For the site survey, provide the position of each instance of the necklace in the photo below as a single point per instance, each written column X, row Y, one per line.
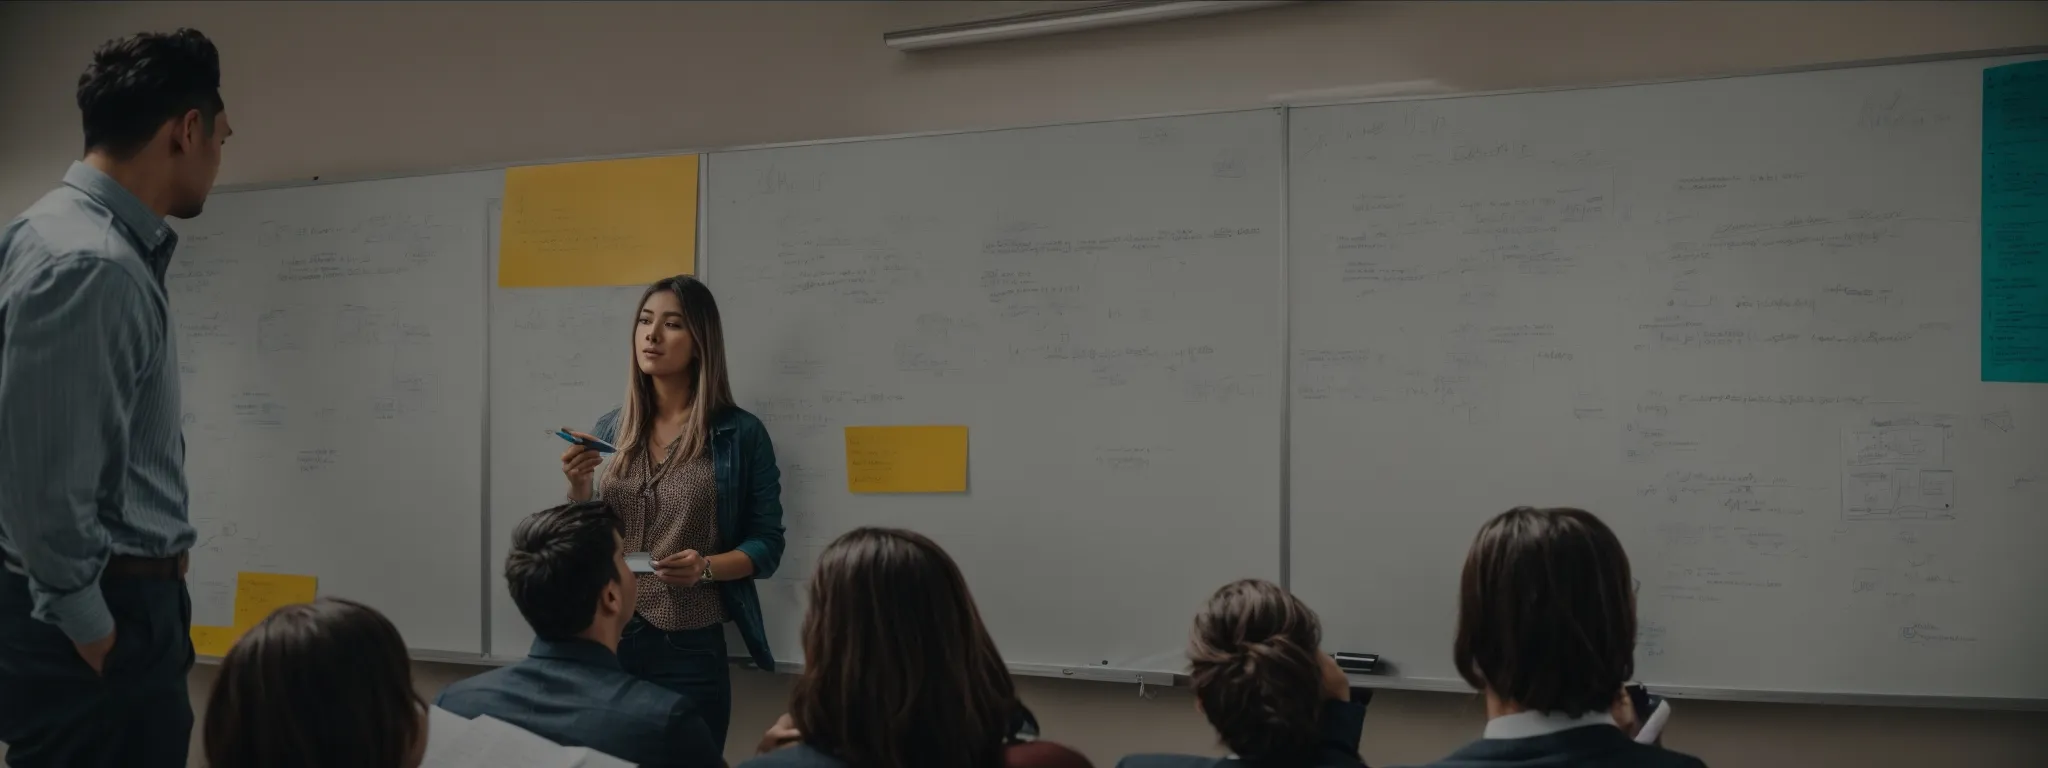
column 655, row 472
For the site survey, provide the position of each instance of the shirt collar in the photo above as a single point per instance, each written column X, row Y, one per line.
column 1522, row 725
column 575, row 649
column 150, row 229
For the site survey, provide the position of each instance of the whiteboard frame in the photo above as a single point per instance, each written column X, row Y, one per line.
column 1987, row 53
column 1157, row 677
column 1757, row 695
column 491, row 205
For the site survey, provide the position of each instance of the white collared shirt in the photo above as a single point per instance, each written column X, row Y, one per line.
column 1522, row 725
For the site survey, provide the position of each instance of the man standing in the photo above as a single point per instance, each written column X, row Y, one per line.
column 94, row 615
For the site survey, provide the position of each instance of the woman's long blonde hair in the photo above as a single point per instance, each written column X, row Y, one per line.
column 710, row 392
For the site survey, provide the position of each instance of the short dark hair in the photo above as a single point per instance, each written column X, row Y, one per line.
column 561, row 559
column 137, row 83
column 322, row 683
column 1257, row 672
column 1547, row 611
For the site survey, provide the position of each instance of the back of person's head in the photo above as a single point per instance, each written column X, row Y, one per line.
column 325, row 684
column 1546, row 612
column 898, row 670
column 1256, row 671
column 136, row 84
column 567, row 570
column 156, row 97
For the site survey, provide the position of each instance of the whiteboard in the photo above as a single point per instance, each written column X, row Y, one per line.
column 559, row 358
column 331, row 355
column 1736, row 318
column 1100, row 304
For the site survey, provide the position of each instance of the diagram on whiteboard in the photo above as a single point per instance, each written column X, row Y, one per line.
column 1897, row 473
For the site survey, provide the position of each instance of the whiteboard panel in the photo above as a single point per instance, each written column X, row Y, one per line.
column 559, row 358
column 1100, row 304
column 331, row 346
column 1736, row 318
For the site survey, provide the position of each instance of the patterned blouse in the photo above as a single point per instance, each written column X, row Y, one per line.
column 677, row 510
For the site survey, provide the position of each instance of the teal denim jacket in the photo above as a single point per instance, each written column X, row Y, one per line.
column 749, row 514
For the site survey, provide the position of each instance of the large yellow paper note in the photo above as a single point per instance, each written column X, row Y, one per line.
column 906, row 459
column 257, row 594
column 610, row 222
column 214, row 641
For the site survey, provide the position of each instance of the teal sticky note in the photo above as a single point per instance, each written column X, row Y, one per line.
column 2015, row 216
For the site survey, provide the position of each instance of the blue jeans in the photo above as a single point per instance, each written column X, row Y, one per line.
column 690, row 662
column 55, row 712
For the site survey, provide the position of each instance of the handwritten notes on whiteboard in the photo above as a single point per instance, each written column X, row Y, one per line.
column 2015, row 246
column 256, row 596
column 906, row 459
column 612, row 222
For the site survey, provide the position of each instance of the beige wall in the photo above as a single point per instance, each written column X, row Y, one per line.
column 350, row 90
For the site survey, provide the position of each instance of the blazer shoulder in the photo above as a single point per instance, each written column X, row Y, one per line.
column 467, row 696
column 743, row 420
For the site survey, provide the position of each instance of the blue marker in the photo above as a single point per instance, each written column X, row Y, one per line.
column 593, row 443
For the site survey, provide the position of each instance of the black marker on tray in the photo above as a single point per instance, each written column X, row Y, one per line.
column 1359, row 663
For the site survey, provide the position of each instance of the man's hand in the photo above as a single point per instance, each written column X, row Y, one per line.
column 95, row 653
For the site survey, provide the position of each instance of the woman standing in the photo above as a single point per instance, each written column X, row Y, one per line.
column 696, row 485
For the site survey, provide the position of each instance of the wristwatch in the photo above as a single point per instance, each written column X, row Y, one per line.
column 706, row 576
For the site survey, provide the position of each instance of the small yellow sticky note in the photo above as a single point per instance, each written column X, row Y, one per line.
column 906, row 459
column 257, row 594
column 610, row 222
column 214, row 641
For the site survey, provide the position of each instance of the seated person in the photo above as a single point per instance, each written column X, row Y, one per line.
column 568, row 575
column 1547, row 631
column 1276, row 700
column 899, row 671
column 317, row 684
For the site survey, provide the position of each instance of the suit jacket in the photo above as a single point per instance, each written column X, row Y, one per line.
column 1343, row 725
column 574, row 693
column 1592, row 746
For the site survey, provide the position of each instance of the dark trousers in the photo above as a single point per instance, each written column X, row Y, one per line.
column 55, row 712
column 691, row 662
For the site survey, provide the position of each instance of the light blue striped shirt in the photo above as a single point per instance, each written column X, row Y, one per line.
column 92, row 452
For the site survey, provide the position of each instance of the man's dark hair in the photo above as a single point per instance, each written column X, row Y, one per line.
column 1547, row 612
column 561, row 559
column 135, row 84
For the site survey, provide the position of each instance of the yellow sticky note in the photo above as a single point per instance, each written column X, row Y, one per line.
column 257, row 594
column 906, row 459
column 610, row 222
column 214, row 641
